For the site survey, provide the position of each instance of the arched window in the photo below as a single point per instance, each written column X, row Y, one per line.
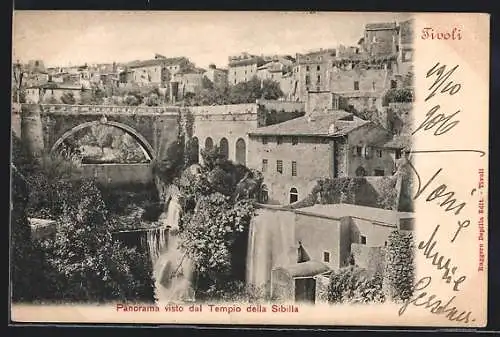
column 294, row 195
column 264, row 194
column 194, row 151
column 209, row 143
column 360, row 171
column 224, row 148
column 241, row 151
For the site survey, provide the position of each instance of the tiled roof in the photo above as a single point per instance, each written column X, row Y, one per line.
column 380, row 26
column 369, row 213
column 314, row 125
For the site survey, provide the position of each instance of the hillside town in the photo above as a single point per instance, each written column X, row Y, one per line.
column 313, row 145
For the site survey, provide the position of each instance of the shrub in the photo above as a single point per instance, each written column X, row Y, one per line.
column 339, row 190
column 387, row 198
column 355, row 285
column 233, row 291
column 399, row 267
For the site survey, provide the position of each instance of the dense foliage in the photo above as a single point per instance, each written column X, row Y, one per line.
column 82, row 263
column 398, row 95
column 243, row 92
column 355, row 285
column 339, row 190
column 85, row 264
column 387, row 198
column 217, row 206
column 399, row 267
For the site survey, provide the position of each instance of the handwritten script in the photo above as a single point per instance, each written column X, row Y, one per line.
column 433, row 190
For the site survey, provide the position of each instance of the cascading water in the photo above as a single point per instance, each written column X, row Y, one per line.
column 171, row 267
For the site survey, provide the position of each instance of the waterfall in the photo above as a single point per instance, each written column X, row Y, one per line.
column 157, row 242
column 171, row 266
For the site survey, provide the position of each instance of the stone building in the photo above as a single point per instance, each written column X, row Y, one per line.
column 311, row 72
column 380, row 39
column 55, row 91
column 227, row 125
column 294, row 154
column 243, row 67
column 406, row 36
column 157, row 71
column 217, row 76
column 184, row 82
column 287, row 245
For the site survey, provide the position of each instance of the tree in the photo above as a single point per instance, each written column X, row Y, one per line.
column 103, row 135
column 271, row 90
column 68, row 98
column 208, row 236
column 86, row 264
column 248, row 92
column 26, row 256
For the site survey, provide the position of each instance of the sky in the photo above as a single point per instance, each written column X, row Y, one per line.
column 62, row 38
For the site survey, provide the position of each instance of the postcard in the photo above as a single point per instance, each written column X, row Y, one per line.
column 278, row 168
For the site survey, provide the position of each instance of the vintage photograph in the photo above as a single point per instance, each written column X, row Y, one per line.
column 180, row 158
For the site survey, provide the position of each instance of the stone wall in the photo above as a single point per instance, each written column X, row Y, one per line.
column 111, row 174
column 312, row 156
column 369, row 80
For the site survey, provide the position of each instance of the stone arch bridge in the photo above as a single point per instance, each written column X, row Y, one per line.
column 45, row 127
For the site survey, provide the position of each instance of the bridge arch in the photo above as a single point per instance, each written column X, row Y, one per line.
column 150, row 153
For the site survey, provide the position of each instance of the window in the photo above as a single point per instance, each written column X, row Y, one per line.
column 326, row 257
column 367, row 151
column 294, row 168
column 279, row 140
column 295, row 140
column 398, row 154
column 264, row 194
column 362, row 240
column 264, row 140
column 245, row 72
column 394, row 84
column 318, row 68
column 379, row 153
column 307, row 68
column 356, row 85
column 378, row 173
column 359, row 150
column 373, row 85
column 294, row 195
column 308, row 80
column 318, row 80
column 264, row 165
column 279, row 166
